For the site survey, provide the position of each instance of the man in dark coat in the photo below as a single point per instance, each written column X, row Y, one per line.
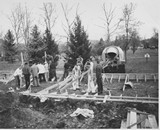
column 99, row 77
column 66, row 70
column 52, row 70
column 26, row 72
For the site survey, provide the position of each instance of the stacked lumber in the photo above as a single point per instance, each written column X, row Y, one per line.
column 137, row 119
column 100, row 98
column 109, row 77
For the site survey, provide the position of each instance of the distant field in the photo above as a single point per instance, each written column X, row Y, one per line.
column 135, row 62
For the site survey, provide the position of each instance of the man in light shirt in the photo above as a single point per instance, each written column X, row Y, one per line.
column 18, row 76
column 46, row 66
column 41, row 72
column 34, row 72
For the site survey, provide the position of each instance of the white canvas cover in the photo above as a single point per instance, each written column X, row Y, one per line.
column 114, row 49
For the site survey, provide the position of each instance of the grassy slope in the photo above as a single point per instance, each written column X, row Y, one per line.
column 49, row 114
column 136, row 63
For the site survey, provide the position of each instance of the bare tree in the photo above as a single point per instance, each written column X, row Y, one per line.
column 1, row 34
column 66, row 11
column 26, row 24
column 50, row 15
column 108, row 20
column 129, row 25
column 16, row 22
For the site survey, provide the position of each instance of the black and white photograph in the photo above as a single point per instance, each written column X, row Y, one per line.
column 79, row 64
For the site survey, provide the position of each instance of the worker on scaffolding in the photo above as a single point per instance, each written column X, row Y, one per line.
column 18, row 76
column 76, row 76
column 99, row 77
column 89, row 67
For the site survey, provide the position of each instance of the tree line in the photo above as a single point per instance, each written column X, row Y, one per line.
column 78, row 43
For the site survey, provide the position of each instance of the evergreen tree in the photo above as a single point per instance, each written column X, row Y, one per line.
column 99, row 47
column 9, row 46
column 78, row 44
column 36, row 46
column 51, row 46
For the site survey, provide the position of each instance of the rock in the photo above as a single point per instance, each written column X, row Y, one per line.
column 60, row 124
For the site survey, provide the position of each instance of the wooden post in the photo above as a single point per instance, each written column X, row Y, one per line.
column 22, row 59
column 132, row 120
column 154, row 78
column 145, row 79
column 111, row 78
column 45, row 56
column 127, row 77
column 124, row 86
column 119, row 78
column 152, row 121
column 137, row 77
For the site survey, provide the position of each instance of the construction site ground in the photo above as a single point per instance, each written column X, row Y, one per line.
column 21, row 111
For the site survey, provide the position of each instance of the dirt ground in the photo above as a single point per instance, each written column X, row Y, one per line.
column 19, row 111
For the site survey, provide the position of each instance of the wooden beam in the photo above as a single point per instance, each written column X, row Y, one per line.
column 119, row 78
column 79, row 97
column 133, row 120
column 111, row 78
column 152, row 121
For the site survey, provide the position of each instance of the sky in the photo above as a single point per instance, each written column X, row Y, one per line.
column 91, row 14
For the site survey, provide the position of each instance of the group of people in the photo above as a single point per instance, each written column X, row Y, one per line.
column 76, row 73
column 38, row 72
column 43, row 72
column 97, row 83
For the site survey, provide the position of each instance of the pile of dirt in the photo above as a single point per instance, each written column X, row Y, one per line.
column 19, row 111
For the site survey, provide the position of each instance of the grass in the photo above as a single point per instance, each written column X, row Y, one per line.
column 136, row 63
column 47, row 114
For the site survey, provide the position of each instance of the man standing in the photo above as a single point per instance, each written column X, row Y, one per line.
column 66, row 69
column 26, row 72
column 18, row 76
column 46, row 66
column 90, row 76
column 99, row 77
column 52, row 71
column 41, row 72
column 34, row 72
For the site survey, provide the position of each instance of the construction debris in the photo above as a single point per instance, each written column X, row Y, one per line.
column 137, row 119
column 83, row 112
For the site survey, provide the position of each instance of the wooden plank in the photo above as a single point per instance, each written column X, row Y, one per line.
column 115, row 76
column 143, row 117
column 147, row 124
column 89, row 97
column 128, row 118
column 154, row 77
column 47, row 89
column 137, row 123
column 138, row 120
column 123, row 76
column 126, row 79
column 141, row 76
column 119, row 78
column 108, row 75
column 123, row 124
column 111, row 78
column 152, row 121
column 137, row 79
column 105, row 79
column 132, row 77
column 133, row 119
column 145, row 79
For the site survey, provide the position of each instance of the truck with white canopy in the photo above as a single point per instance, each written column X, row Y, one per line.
column 113, row 60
